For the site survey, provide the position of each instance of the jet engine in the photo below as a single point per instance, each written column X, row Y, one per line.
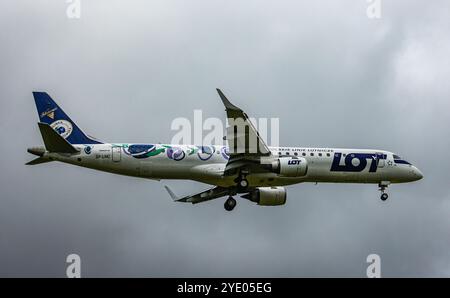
column 290, row 166
column 267, row 196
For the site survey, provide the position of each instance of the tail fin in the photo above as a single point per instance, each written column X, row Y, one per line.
column 51, row 114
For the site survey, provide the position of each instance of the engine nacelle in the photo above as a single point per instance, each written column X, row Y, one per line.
column 290, row 166
column 267, row 196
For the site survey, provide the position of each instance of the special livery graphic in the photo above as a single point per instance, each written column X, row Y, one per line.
column 63, row 127
column 177, row 153
column 238, row 170
column 357, row 162
column 142, row 150
column 49, row 113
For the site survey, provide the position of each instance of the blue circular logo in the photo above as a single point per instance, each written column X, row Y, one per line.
column 60, row 130
column 88, row 149
column 63, row 127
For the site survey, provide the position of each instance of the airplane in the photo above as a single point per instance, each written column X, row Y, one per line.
column 245, row 168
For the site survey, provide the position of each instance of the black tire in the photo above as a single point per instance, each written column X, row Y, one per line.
column 384, row 196
column 243, row 183
column 230, row 203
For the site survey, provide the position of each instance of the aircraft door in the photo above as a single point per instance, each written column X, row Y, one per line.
column 116, row 154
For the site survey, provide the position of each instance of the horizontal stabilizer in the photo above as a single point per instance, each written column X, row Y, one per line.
column 53, row 141
column 37, row 161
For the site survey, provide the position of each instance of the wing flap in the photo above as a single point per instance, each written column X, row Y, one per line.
column 207, row 195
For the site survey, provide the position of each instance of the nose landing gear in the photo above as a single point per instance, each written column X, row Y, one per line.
column 383, row 185
column 230, row 203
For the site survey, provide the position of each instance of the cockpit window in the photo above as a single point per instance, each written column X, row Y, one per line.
column 399, row 160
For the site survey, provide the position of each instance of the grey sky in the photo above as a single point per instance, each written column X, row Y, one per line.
column 127, row 68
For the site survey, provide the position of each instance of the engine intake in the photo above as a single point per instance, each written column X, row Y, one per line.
column 267, row 196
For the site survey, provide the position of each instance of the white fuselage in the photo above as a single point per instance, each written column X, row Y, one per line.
column 207, row 164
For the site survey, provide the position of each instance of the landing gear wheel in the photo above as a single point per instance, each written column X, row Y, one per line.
column 243, row 183
column 383, row 185
column 241, row 180
column 230, row 203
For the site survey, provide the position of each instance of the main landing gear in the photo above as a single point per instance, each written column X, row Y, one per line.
column 383, row 186
column 242, row 185
column 230, row 203
column 241, row 180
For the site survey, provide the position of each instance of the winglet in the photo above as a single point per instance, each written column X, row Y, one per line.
column 228, row 105
column 171, row 193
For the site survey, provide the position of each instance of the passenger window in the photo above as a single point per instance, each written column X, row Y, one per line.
column 295, row 153
column 312, row 154
column 287, row 153
column 328, row 154
column 320, row 154
column 304, row 154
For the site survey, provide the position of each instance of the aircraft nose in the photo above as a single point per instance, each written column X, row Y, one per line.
column 417, row 173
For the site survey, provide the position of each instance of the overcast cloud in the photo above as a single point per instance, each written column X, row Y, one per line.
column 126, row 69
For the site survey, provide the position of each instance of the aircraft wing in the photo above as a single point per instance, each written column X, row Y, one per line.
column 246, row 147
column 242, row 136
column 210, row 194
column 246, row 150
